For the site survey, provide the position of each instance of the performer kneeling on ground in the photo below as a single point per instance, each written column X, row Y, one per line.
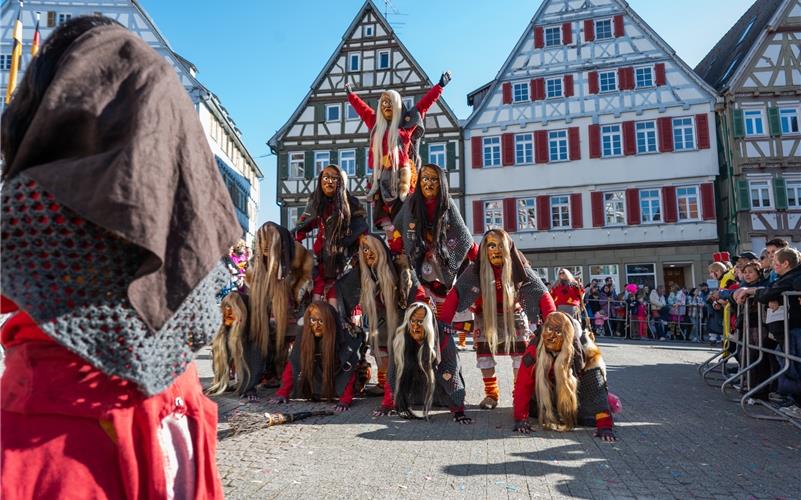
column 425, row 368
column 563, row 381
column 506, row 294
column 323, row 361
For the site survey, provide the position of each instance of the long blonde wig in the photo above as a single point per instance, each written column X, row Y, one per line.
column 564, row 388
column 494, row 333
column 381, row 127
column 426, row 356
column 268, row 293
column 384, row 273
column 227, row 347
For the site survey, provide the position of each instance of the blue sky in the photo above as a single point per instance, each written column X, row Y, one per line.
column 261, row 56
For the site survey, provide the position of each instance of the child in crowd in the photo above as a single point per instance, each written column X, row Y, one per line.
column 695, row 308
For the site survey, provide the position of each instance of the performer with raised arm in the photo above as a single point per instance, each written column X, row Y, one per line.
column 394, row 133
column 339, row 219
column 563, row 381
column 323, row 361
column 506, row 294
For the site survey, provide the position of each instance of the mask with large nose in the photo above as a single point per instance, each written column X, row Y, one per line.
column 494, row 250
column 416, row 329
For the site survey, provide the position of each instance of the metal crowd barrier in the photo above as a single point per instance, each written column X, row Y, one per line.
column 740, row 347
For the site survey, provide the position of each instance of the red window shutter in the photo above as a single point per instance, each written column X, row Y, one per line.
column 619, row 27
column 632, row 207
column 508, row 149
column 541, row 146
column 568, row 85
column 543, row 213
column 539, row 37
column 708, row 201
column 665, row 126
column 507, row 93
column 702, row 131
column 574, row 142
column 595, row 141
column 576, row 213
column 592, row 80
column 669, row 203
column 659, row 70
column 630, row 78
column 538, row 89
column 589, row 30
column 625, row 78
column 567, row 34
column 597, row 202
column 510, row 215
column 478, row 152
column 629, row 139
column 478, row 217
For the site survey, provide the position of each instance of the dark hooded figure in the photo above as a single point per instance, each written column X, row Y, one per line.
column 115, row 210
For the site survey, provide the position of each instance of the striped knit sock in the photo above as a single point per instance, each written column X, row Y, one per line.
column 462, row 338
column 491, row 388
column 382, row 377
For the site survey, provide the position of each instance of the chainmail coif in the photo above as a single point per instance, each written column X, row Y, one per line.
column 71, row 277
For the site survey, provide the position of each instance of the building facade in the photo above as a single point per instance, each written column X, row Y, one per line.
column 757, row 70
column 594, row 147
column 238, row 168
column 325, row 128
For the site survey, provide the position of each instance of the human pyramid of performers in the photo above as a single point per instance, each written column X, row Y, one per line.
column 308, row 319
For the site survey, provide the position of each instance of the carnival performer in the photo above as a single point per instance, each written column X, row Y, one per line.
column 279, row 275
column 563, row 381
column 425, row 369
column 113, row 205
column 233, row 352
column 323, row 361
column 237, row 261
column 506, row 294
column 339, row 219
column 382, row 288
column 393, row 157
column 568, row 294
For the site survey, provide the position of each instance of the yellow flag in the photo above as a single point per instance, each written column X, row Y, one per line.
column 16, row 58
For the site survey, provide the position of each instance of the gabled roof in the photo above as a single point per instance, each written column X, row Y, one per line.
column 624, row 7
column 720, row 65
column 368, row 5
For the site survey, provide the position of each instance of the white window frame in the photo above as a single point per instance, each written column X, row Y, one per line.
column 350, row 113
column 358, row 57
column 560, row 139
column 408, row 102
column 611, row 29
column 328, row 109
column 637, row 71
column 319, row 164
column 553, row 84
column 793, row 185
column 687, row 130
column 520, row 92
column 649, row 136
column 612, row 136
column 754, row 118
column 684, row 198
column 348, row 164
column 292, row 216
column 368, row 30
column 652, row 219
column 629, row 275
column 559, row 210
column 786, row 112
column 389, row 59
column 762, row 186
column 601, row 75
column 614, row 206
column 5, row 62
column 493, row 214
column 542, row 272
column 524, row 143
column 437, row 154
column 526, row 214
column 62, row 18
column 297, row 158
column 551, row 29
column 602, row 271
column 492, row 145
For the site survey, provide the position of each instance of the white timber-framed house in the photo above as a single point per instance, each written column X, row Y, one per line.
column 594, row 147
column 239, row 170
column 756, row 67
column 325, row 129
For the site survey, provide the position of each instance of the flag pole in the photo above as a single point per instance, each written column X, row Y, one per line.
column 16, row 55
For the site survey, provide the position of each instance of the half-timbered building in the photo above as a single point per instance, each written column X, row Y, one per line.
column 756, row 67
column 238, row 168
column 326, row 129
column 594, row 147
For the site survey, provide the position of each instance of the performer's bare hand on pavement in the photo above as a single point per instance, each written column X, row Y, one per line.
column 339, row 408
column 383, row 411
column 606, row 435
column 461, row 418
column 278, row 400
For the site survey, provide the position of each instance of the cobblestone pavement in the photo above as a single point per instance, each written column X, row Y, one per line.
column 678, row 438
